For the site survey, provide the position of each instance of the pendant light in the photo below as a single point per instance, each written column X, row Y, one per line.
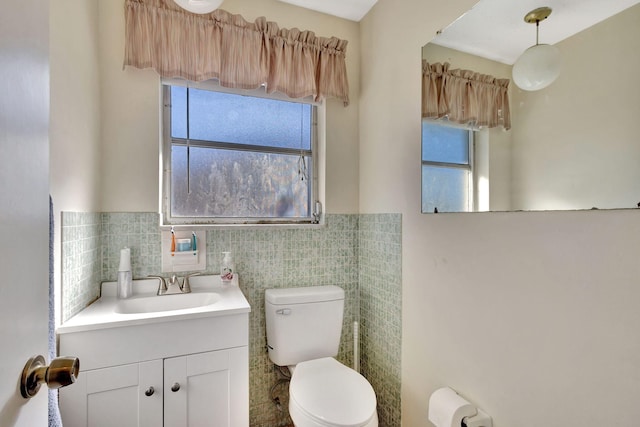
column 199, row 6
column 538, row 66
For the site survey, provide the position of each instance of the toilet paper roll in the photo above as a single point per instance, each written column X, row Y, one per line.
column 447, row 408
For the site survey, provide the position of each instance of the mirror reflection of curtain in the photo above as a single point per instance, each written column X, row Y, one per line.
column 464, row 96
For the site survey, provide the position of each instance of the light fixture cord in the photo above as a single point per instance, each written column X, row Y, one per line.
column 537, row 29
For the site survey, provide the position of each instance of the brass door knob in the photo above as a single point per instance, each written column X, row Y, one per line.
column 61, row 372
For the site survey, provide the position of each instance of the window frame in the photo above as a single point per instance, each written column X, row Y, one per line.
column 316, row 166
column 470, row 166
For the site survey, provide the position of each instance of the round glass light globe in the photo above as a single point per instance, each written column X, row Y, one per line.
column 199, row 6
column 537, row 67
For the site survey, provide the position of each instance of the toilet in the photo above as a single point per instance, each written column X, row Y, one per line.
column 303, row 333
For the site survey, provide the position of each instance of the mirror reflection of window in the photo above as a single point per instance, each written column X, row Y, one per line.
column 447, row 168
column 455, row 168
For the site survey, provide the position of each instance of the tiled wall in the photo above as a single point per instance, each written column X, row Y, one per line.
column 81, row 254
column 266, row 259
column 138, row 231
column 380, row 286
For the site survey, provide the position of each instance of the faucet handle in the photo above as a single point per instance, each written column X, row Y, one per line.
column 162, row 286
column 186, row 288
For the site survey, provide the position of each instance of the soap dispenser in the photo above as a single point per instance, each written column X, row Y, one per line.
column 226, row 268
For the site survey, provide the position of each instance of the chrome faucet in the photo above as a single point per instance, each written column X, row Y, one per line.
column 173, row 286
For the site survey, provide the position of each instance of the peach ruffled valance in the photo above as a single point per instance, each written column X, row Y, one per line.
column 239, row 54
column 464, row 96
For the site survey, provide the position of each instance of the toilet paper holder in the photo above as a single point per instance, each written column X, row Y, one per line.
column 448, row 409
column 481, row 419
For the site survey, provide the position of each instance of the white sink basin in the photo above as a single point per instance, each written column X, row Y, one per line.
column 209, row 297
column 155, row 303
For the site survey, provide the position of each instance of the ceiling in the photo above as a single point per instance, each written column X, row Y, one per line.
column 495, row 29
column 353, row 10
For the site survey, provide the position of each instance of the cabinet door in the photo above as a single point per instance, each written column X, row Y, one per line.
column 115, row 396
column 207, row 389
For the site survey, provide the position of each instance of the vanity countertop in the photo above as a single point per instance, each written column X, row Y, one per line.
column 102, row 314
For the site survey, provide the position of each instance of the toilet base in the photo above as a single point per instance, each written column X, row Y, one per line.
column 301, row 420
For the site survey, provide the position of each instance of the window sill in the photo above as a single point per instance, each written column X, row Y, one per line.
column 252, row 226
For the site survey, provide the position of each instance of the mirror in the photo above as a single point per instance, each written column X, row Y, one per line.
column 575, row 144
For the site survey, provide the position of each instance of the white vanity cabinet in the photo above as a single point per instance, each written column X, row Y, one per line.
column 199, row 389
column 115, row 396
column 204, row 389
column 181, row 368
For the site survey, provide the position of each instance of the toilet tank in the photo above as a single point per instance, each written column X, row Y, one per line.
column 303, row 323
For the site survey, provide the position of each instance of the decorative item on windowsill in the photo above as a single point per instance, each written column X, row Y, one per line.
column 199, row 6
column 539, row 65
column 227, row 268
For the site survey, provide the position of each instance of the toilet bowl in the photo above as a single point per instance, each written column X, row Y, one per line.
column 325, row 393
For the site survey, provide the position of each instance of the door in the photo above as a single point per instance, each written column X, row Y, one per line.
column 207, row 389
column 123, row 396
column 24, row 203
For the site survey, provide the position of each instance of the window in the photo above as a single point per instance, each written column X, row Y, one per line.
column 237, row 158
column 447, row 168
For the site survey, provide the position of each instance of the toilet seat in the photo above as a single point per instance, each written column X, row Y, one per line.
column 331, row 394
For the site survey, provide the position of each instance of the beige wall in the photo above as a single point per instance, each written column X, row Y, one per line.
column 75, row 108
column 588, row 147
column 74, row 130
column 531, row 315
column 131, row 114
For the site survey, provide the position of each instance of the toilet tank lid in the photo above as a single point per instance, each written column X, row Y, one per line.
column 303, row 295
